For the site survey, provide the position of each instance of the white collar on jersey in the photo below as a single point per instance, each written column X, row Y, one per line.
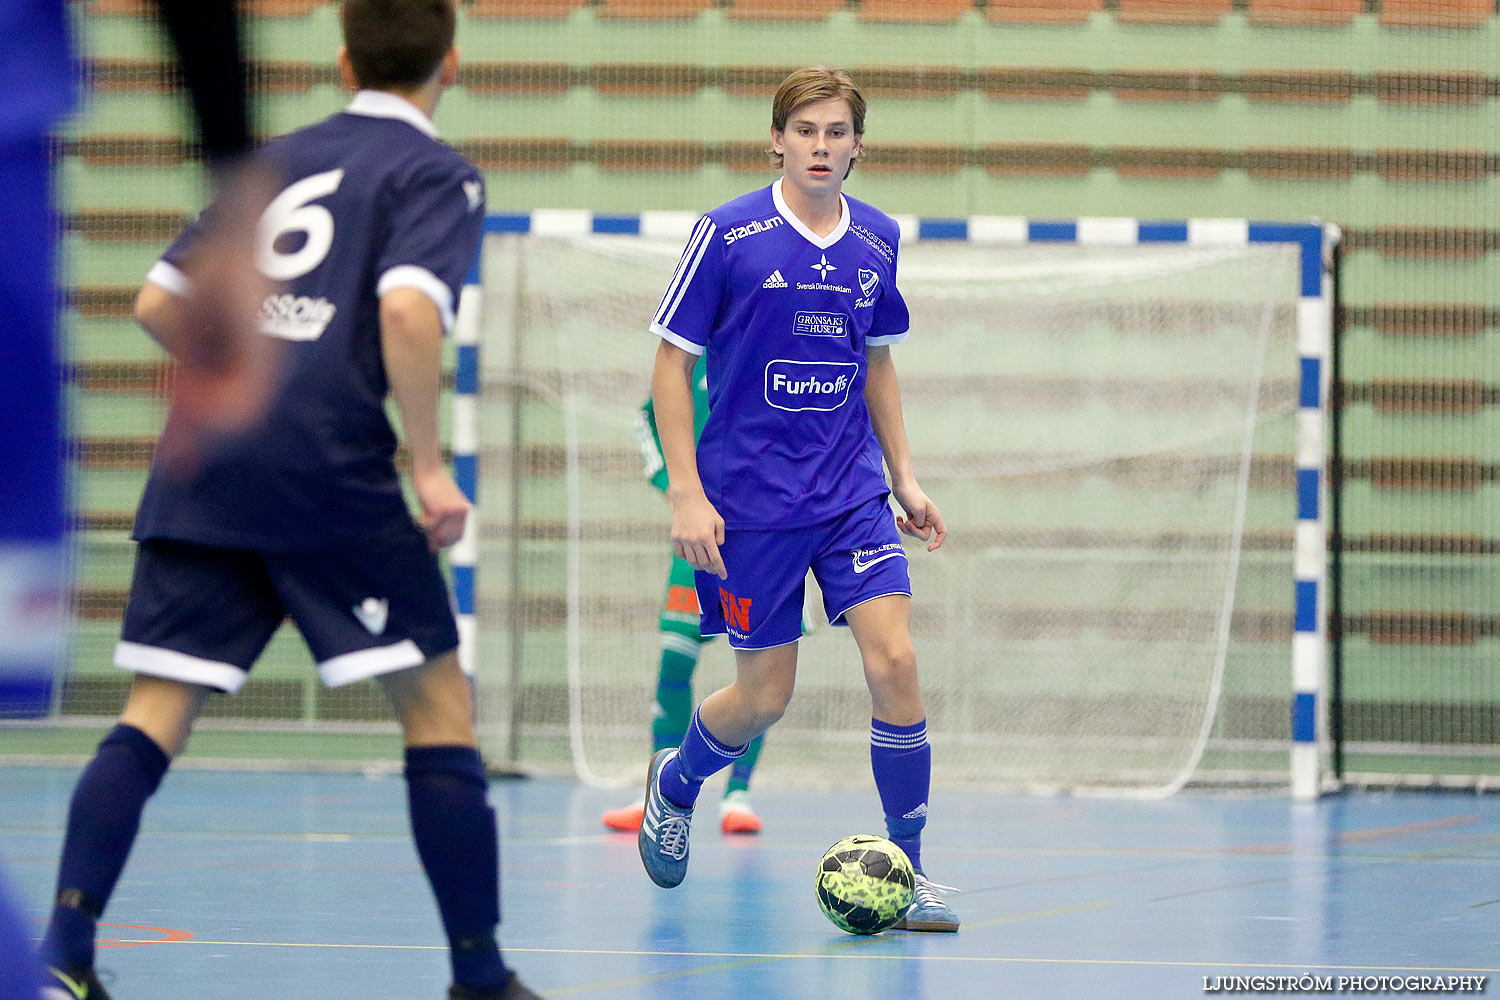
column 379, row 104
column 821, row 242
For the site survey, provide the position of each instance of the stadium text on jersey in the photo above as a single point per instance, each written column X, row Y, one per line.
column 751, row 228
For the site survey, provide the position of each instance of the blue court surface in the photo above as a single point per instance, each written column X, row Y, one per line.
column 290, row 886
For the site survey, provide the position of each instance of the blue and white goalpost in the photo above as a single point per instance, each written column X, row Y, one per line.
column 1309, row 242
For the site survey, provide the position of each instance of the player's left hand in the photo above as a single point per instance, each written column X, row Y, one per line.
column 445, row 509
column 923, row 520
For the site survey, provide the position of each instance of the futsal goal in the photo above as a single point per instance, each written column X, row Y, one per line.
column 1121, row 421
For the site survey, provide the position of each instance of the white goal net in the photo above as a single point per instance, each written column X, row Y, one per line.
column 1109, row 432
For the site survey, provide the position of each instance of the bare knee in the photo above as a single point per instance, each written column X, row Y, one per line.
column 891, row 674
column 769, row 704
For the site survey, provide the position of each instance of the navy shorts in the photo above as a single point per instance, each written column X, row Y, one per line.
column 855, row 558
column 203, row 615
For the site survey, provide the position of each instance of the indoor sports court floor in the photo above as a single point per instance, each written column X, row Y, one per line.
column 289, row 886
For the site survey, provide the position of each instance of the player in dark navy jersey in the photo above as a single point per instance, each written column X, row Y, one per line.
column 375, row 228
column 790, row 291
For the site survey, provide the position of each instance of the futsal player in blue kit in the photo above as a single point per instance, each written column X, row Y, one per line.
column 39, row 83
column 790, row 292
column 375, row 228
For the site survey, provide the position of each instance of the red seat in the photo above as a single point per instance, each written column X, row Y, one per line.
column 120, row 8
column 784, row 10
column 914, row 11
column 1042, row 11
column 1173, row 11
column 654, row 10
column 520, row 10
column 1302, row 13
column 1435, row 13
column 282, row 8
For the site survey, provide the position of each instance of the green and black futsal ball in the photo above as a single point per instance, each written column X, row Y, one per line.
column 864, row 884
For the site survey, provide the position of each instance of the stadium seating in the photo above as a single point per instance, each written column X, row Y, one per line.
column 1172, row 85
column 1301, row 13
column 654, row 10
column 1436, row 13
column 784, row 10
column 1042, row 11
column 1200, row 12
column 1451, row 88
column 524, row 9
column 254, row 8
column 914, row 11
column 478, row 78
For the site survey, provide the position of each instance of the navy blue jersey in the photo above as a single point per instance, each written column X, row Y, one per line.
column 373, row 201
column 785, row 316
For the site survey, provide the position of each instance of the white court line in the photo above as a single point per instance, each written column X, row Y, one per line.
column 996, row 959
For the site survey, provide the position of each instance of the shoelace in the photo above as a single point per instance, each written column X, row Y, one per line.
column 672, row 836
column 930, row 893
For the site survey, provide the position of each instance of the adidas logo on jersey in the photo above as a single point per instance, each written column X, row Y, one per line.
column 775, row 280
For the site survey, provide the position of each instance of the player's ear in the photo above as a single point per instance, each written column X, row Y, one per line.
column 346, row 69
column 450, row 67
column 776, row 141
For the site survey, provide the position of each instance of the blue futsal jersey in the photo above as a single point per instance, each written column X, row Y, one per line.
column 39, row 79
column 373, row 201
column 785, row 317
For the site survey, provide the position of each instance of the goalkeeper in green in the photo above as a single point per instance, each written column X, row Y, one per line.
column 681, row 644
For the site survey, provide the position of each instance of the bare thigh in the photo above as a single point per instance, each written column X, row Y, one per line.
column 164, row 710
column 433, row 702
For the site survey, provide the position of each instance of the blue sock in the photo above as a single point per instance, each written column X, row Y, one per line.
column 700, row 757
column 454, row 830
column 739, row 774
column 901, row 758
column 103, row 820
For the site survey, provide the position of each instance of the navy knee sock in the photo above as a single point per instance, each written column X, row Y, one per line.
column 103, row 820
column 454, row 829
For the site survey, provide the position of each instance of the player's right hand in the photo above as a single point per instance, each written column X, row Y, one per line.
column 697, row 533
column 445, row 509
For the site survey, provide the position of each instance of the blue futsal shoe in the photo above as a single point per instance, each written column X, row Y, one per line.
column 663, row 837
column 928, row 911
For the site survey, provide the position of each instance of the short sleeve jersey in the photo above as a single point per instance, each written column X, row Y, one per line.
column 784, row 317
column 651, row 453
column 372, row 201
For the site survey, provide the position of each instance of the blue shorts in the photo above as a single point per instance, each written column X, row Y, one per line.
column 855, row 558
column 203, row 615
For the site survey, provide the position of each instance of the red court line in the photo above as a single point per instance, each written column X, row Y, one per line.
column 171, row 936
column 1354, row 836
column 1373, row 833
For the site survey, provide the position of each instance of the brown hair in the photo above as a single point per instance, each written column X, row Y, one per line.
column 815, row 83
column 397, row 44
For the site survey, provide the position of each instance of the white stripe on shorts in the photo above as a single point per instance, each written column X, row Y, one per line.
column 363, row 664
column 154, row 661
